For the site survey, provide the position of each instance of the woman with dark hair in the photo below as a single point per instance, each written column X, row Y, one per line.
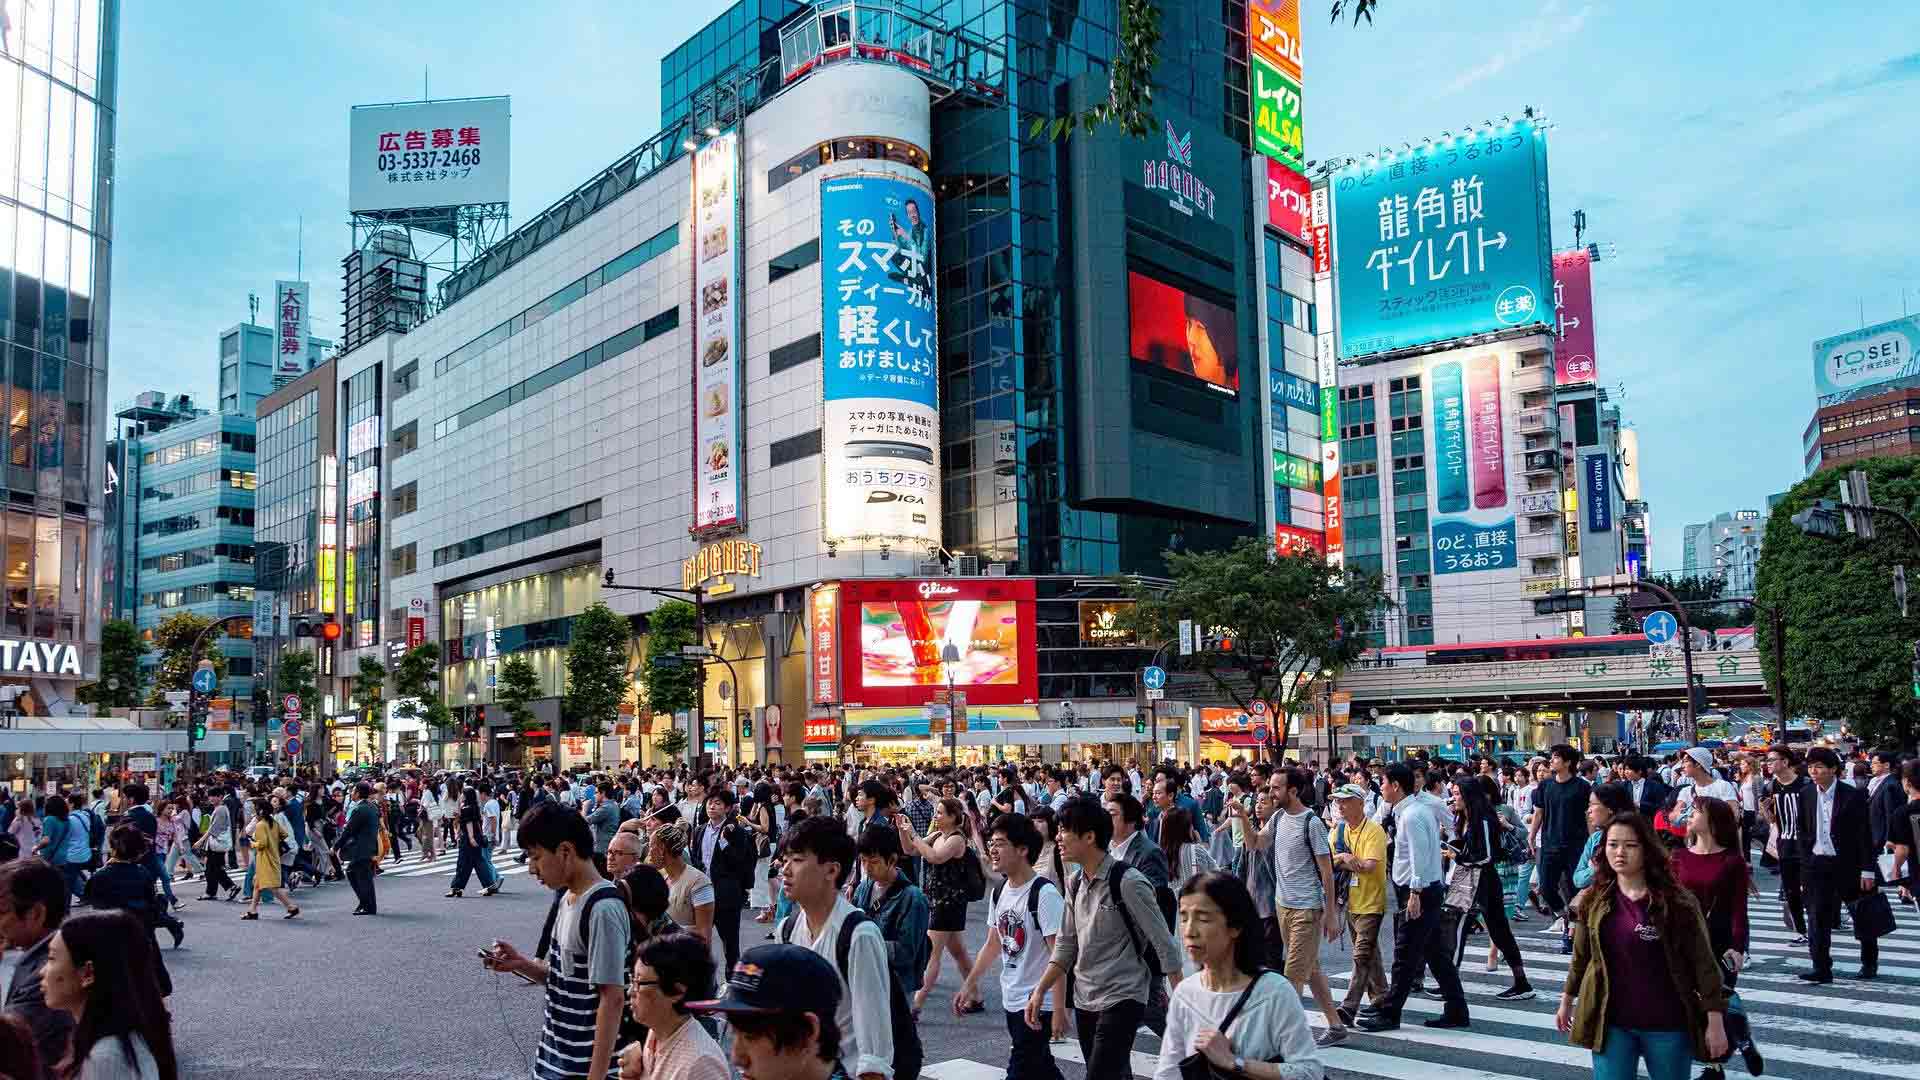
column 1478, row 829
column 669, row 972
column 1049, row 865
column 470, row 845
column 1643, row 984
column 128, row 883
column 944, row 850
column 1607, row 802
column 764, row 819
column 19, row 1057
column 98, row 971
column 1714, row 868
column 268, row 835
column 1241, row 1022
column 55, row 825
column 1187, row 857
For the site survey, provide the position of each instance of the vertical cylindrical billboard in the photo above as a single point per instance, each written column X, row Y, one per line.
column 1473, row 518
column 880, row 380
column 717, row 495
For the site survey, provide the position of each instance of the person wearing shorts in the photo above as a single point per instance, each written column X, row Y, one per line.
column 1303, row 884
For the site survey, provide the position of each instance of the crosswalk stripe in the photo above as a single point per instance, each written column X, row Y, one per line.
column 1535, row 959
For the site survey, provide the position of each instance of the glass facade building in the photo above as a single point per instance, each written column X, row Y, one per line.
column 57, row 67
column 737, row 40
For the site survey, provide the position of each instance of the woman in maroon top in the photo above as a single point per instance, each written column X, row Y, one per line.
column 1714, row 869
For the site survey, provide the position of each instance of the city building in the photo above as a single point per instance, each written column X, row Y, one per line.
column 59, row 65
column 251, row 365
column 1728, row 547
column 1867, row 395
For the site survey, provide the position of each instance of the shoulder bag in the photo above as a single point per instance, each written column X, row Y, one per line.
column 1196, row 1066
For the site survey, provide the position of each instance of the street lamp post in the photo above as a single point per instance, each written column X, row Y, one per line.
column 949, row 656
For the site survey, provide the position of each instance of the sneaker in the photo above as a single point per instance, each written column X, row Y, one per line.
column 1557, row 926
column 1799, row 942
column 1516, row 993
column 1520, row 915
column 1331, row 1037
column 1345, row 1014
column 1433, row 992
column 1448, row 1021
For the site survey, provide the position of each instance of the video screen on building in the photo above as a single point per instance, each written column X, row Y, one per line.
column 1176, row 331
column 902, row 642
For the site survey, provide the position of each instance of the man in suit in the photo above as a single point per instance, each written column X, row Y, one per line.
column 1835, row 848
column 724, row 848
column 1650, row 793
column 359, row 845
column 1885, row 799
column 33, row 904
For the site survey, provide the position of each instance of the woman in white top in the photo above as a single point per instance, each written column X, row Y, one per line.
column 1265, row 1034
column 100, row 969
column 670, row 971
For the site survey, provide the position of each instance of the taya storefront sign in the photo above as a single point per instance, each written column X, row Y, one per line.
column 38, row 658
column 714, row 565
column 902, row 640
column 1102, row 624
column 1174, row 174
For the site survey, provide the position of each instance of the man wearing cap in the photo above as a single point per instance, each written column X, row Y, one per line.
column 1697, row 763
column 1360, row 853
column 781, row 1002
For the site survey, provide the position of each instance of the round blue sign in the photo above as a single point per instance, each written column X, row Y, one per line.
column 1660, row 627
column 293, row 729
column 1154, row 677
column 204, row 681
column 1259, row 733
column 293, row 747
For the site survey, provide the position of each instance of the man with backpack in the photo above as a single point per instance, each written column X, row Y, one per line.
column 1111, row 942
column 878, row 1037
column 1023, row 925
column 896, row 904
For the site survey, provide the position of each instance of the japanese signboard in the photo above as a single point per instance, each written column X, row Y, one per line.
column 1596, row 471
column 428, row 153
column 1473, row 521
column 1573, row 313
column 416, row 632
column 1291, row 540
column 1277, row 124
column 1290, row 470
column 716, row 334
column 1174, row 174
column 1320, row 226
column 1288, row 389
column 1273, row 31
column 1448, row 241
column 1332, row 510
column 292, row 322
column 823, row 731
column 823, row 636
column 880, row 379
column 1289, row 201
column 714, row 565
column 1875, row 354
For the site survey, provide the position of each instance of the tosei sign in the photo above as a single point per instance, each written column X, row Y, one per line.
column 1448, row 241
column 1876, row 354
column 428, row 153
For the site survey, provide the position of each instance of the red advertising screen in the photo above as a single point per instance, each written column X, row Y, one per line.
column 1289, row 201
column 895, row 634
column 1173, row 330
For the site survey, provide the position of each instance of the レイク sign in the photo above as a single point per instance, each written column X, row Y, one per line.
column 1174, row 174
column 38, row 658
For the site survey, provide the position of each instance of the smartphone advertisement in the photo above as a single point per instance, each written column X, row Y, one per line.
column 1174, row 331
column 902, row 640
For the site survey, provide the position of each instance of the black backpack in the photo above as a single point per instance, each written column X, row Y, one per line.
column 1116, row 872
column 630, row 1029
column 908, row 1053
column 972, row 876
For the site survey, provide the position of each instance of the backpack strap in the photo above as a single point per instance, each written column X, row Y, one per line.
column 843, row 945
column 1033, row 898
column 786, row 929
column 1114, row 877
column 997, row 890
column 546, row 932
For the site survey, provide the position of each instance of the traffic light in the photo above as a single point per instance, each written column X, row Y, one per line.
column 1139, row 724
column 1699, row 694
column 1916, row 669
column 325, row 630
column 1823, row 518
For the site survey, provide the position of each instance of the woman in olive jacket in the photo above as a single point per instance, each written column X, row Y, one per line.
column 1644, row 984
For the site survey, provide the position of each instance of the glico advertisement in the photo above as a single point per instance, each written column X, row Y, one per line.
column 1470, row 426
column 903, row 639
column 882, row 443
column 1447, row 241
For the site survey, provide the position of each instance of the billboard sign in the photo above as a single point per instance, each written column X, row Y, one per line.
column 1278, row 130
column 1320, row 227
column 1103, row 624
column 716, row 334
column 823, row 638
column 1573, row 312
column 1292, row 540
column 1596, row 471
column 1449, row 241
column 292, row 320
column 1875, row 354
column 895, row 634
column 1273, row 31
column 428, row 153
column 1289, row 201
column 1291, row 470
column 1173, row 330
column 881, row 379
column 1288, row 389
column 1473, row 520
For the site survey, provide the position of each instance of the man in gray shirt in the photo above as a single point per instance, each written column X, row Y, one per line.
column 1303, row 880
column 604, row 817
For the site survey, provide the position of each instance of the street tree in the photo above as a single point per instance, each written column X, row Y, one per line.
column 519, row 685
column 368, row 689
column 670, row 686
column 1287, row 617
column 671, row 742
column 1701, row 594
column 1848, row 651
column 178, row 637
column 121, row 648
column 597, row 671
column 416, row 677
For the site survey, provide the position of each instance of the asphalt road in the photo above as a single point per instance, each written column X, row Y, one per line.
column 330, row 995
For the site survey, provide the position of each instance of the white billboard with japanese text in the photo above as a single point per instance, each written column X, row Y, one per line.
column 419, row 154
column 716, row 334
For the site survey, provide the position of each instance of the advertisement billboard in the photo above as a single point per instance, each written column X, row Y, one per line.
column 1278, row 130
column 1293, row 471
column 1174, row 331
column 292, row 320
column 1596, row 472
column 1290, row 540
column 1473, row 518
column 716, row 334
column 1573, row 313
column 1102, row 624
column 880, row 371
column 1273, row 31
column 1876, row 354
column 428, row 153
column 895, row 636
column 823, row 643
column 1289, row 390
column 1289, row 201
column 1448, row 241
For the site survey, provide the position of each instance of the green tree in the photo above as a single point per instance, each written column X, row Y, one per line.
column 1848, row 651
column 674, row 686
column 181, row 650
column 519, row 685
column 597, row 670
column 671, row 741
column 121, row 648
column 1287, row 616
column 415, row 676
column 1701, row 594
column 369, row 687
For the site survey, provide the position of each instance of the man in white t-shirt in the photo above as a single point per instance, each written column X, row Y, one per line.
column 1703, row 782
column 1022, row 922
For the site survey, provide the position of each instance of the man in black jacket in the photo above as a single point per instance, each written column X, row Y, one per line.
column 1834, row 839
column 1650, row 793
column 360, row 845
column 1885, row 799
column 33, row 904
column 723, row 848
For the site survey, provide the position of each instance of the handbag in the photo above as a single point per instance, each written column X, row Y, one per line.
column 1463, row 888
column 1872, row 916
column 1196, row 1066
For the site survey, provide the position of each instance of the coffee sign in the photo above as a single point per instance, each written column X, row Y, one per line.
column 1103, row 624
column 717, row 562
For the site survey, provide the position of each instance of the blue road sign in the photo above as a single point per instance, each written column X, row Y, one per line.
column 1154, row 677
column 1660, row 627
column 1468, row 743
column 293, row 727
column 204, row 681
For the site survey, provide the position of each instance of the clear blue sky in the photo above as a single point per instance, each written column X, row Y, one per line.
column 1753, row 167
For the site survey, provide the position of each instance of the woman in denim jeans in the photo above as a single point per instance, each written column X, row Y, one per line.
column 1644, row 984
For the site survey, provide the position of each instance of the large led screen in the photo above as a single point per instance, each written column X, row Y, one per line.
column 896, row 635
column 1176, row 331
